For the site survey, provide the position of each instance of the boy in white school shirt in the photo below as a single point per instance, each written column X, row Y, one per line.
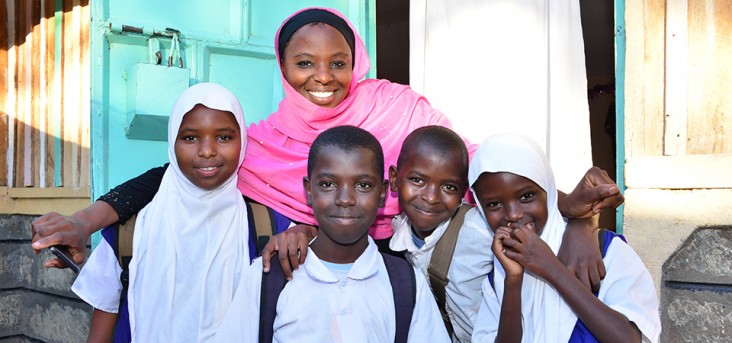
column 431, row 177
column 342, row 293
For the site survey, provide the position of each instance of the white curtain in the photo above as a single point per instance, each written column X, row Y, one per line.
column 507, row 66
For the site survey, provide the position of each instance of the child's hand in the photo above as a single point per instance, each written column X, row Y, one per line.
column 292, row 245
column 527, row 248
column 511, row 267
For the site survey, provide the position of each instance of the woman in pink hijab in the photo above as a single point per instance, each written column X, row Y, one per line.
column 322, row 59
column 277, row 156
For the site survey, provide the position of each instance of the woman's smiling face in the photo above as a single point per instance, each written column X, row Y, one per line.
column 318, row 64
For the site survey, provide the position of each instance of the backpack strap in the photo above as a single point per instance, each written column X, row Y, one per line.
column 605, row 237
column 272, row 284
column 262, row 224
column 124, row 234
column 441, row 260
column 404, row 287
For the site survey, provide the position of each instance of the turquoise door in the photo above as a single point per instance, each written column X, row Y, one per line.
column 229, row 42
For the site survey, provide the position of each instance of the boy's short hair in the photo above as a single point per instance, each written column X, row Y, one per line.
column 438, row 138
column 347, row 138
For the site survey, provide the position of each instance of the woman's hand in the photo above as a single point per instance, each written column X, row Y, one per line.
column 594, row 193
column 580, row 252
column 292, row 245
column 55, row 229
column 72, row 231
column 511, row 267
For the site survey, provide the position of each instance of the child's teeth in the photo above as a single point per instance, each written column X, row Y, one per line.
column 208, row 168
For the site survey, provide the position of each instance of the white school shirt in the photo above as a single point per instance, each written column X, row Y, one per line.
column 472, row 261
column 627, row 288
column 316, row 307
column 98, row 283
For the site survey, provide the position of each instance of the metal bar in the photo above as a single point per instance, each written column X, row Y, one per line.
column 620, row 106
column 58, row 20
column 167, row 33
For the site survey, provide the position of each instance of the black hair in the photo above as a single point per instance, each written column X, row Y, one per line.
column 437, row 138
column 313, row 16
column 347, row 138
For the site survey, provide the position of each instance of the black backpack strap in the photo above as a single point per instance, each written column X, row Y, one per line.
column 262, row 224
column 442, row 259
column 404, row 287
column 272, row 284
column 601, row 241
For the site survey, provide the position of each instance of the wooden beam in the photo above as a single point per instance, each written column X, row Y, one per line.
column 680, row 172
column 677, row 66
column 710, row 77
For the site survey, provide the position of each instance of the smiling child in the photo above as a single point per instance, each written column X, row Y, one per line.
column 531, row 296
column 190, row 243
column 343, row 292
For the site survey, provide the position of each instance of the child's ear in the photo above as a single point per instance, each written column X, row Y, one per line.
column 393, row 179
column 308, row 192
column 382, row 199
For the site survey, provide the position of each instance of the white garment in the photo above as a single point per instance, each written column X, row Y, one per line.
column 507, row 66
column 190, row 244
column 627, row 288
column 98, row 283
column 472, row 261
column 316, row 307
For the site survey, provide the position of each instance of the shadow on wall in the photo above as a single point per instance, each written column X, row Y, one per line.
column 696, row 288
column 44, row 93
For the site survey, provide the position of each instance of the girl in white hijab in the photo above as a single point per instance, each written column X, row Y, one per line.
column 191, row 241
column 531, row 296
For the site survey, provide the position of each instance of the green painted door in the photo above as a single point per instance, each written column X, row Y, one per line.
column 229, row 42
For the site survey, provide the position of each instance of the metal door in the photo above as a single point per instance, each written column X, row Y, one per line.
column 229, row 42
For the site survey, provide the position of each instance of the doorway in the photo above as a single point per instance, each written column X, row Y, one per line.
column 392, row 42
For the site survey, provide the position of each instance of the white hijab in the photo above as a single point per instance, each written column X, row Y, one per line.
column 546, row 317
column 190, row 244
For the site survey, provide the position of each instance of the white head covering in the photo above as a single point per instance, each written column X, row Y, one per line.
column 190, row 244
column 546, row 317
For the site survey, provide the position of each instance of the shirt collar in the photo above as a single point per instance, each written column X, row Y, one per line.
column 364, row 267
column 402, row 238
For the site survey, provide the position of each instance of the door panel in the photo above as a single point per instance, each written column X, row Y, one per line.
column 229, row 42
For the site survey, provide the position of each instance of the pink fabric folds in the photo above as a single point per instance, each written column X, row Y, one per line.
column 277, row 150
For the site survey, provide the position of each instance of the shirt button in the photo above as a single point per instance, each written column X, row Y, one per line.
column 344, row 312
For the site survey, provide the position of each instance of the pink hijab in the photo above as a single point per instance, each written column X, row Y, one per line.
column 277, row 149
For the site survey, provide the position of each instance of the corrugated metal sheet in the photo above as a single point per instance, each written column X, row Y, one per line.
column 44, row 93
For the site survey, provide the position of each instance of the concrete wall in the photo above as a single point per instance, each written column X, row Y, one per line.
column 36, row 304
column 690, row 265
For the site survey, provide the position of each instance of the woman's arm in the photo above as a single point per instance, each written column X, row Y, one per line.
column 132, row 196
column 594, row 193
column 119, row 204
column 580, row 254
